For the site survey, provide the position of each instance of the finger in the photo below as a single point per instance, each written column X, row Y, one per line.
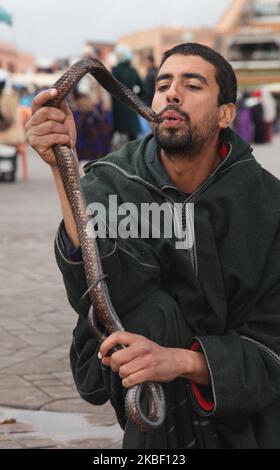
column 134, row 379
column 65, row 107
column 46, row 114
column 120, row 337
column 131, row 368
column 50, row 127
column 50, row 140
column 120, row 358
column 43, row 98
column 106, row 361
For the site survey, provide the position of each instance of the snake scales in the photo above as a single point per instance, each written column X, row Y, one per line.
column 102, row 311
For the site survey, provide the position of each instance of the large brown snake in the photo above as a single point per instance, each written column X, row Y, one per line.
column 102, row 308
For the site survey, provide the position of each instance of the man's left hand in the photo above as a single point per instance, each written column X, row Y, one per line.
column 143, row 360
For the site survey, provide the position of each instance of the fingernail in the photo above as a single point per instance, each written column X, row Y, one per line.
column 99, row 356
column 53, row 91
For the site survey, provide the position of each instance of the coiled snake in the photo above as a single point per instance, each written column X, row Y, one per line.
column 102, row 310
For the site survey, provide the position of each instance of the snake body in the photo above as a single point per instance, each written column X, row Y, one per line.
column 102, row 311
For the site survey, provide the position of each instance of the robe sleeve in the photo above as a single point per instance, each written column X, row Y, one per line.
column 244, row 363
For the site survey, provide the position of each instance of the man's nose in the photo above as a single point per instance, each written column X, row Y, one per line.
column 173, row 95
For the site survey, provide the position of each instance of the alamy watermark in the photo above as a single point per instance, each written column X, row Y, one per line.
column 151, row 220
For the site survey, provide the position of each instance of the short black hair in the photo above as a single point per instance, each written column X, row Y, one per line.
column 225, row 75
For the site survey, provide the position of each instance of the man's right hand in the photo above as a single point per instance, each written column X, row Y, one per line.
column 49, row 126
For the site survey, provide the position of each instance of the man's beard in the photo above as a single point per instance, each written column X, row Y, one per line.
column 183, row 142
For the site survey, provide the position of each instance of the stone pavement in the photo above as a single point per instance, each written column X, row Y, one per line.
column 36, row 323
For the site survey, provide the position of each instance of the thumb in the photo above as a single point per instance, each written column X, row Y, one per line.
column 65, row 107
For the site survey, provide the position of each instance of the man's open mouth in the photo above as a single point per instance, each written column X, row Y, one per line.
column 171, row 118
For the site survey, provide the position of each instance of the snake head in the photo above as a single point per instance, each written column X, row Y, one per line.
column 154, row 117
column 158, row 118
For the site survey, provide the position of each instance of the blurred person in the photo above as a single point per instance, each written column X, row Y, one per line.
column 26, row 97
column 257, row 110
column 150, row 72
column 202, row 318
column 150, row 78
column 269, row 112
column 126, row 124
column 276, row 126
column 244, row 122
column 11, row 128
column 93, row 120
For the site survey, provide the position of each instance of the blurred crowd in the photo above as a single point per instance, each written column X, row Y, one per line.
column 104, row 124
column 258, row 115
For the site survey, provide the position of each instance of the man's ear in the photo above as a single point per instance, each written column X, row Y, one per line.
column 227, row 115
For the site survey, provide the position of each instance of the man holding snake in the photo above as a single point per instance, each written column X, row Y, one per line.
column 204, row 319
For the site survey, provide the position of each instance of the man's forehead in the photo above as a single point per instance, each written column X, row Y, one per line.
column 179, row 63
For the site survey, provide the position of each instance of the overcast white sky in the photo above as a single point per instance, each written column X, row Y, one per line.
column 55, row 28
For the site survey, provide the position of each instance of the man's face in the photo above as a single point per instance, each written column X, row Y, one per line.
column 186, row 98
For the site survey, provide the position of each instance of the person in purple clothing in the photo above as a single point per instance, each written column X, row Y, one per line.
column 94, row 127
column 244, row 123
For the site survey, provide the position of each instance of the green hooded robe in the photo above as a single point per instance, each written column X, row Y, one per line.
column 222, row 291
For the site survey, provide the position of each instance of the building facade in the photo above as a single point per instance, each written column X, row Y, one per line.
column 157, row 40
column 15, row 61
column 248, row 34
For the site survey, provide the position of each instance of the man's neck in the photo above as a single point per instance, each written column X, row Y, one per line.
column 187, row 174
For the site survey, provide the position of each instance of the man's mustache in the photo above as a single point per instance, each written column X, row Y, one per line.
column 175, row 108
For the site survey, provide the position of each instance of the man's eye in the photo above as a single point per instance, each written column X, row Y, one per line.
column 162, row 88
column 193, row 87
